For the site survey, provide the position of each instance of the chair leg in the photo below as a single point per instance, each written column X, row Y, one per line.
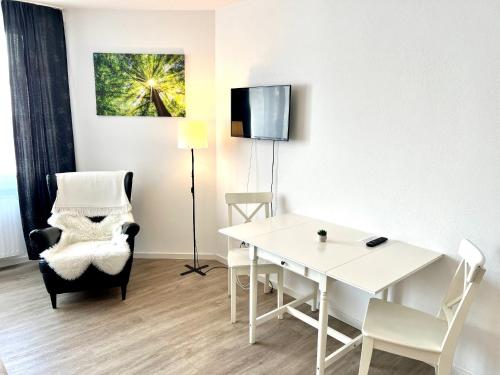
column 314, row 304
column 266, row 284
column 366, row 356
column 229, row 282
column 53, row 299
column 233, row 296
column 124, row 292
column 280, row 291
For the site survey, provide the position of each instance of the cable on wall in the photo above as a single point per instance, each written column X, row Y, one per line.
column 249, row 172
column 246, row 287
column 252, row 146
column 272, row 180
column 276, row 188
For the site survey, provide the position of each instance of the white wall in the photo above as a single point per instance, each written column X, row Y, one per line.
column 148, row 146
column 396, row 130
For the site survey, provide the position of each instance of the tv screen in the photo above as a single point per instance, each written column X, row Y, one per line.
column 261, row 112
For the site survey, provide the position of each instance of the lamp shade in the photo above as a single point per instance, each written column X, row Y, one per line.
column 192, row 134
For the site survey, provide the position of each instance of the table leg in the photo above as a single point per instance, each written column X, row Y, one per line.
column 266, row 284
column 385, row 294
column 253, row 295
column 280, row 290
column 322, row 329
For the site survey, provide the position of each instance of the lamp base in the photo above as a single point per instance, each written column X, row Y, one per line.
column 192, row 269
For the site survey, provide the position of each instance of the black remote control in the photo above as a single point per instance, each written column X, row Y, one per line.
column 376, row 242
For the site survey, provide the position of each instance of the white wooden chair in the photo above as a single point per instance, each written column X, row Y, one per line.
column 3, row 370
column 411, row 333
column 237, row 258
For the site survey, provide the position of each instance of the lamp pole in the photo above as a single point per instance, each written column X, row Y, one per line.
column 196, row 265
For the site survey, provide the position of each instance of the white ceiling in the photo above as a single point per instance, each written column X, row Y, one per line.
column 137, row 4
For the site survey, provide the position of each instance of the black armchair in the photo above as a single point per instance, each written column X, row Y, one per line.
column 92, row 278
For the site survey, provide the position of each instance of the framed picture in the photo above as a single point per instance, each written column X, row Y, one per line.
column 129, row 84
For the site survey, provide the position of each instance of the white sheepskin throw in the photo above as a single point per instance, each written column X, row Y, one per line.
column 84, row 242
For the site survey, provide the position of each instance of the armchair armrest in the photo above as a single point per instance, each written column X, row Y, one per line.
column 131, row 229
column 42, row 239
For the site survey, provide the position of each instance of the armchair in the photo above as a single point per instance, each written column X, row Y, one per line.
column 92, row 278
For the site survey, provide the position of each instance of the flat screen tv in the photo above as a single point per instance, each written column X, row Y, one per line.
column 261, row 112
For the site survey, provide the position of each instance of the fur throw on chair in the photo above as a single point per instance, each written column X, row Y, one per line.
column 84, row 242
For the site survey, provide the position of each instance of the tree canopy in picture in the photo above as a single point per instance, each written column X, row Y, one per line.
column 139, row 85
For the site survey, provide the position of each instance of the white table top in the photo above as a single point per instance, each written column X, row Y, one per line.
column 343, row 257
column 246, row 232
column 300, row 244
column 392, row 262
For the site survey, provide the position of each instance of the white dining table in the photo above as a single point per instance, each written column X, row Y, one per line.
column 291, row 241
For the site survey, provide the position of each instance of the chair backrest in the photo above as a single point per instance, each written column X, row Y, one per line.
column 52, row 185
column 234, row 200
column 461, row 292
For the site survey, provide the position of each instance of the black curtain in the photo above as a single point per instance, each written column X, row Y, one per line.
column 40, row 106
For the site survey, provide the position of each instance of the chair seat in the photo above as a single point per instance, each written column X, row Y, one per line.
column 238, row 257
column 401, row 325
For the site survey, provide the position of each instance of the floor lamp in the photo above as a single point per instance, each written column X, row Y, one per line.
column 193, row 135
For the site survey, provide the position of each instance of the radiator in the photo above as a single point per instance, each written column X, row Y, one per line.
column 11, row 234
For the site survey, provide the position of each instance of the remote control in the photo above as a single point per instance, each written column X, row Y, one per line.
column 376, row 242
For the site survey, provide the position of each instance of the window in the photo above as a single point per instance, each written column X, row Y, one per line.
column 11, row 238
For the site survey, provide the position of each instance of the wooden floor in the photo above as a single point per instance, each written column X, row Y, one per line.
column 168, row 325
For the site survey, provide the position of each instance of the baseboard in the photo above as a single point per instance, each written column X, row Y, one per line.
column 156, row 255
column 12, row 261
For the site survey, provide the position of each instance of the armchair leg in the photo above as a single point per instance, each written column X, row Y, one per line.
column 53, row 299
column 124, row 292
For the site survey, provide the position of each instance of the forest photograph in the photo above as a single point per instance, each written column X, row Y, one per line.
column 139, row 85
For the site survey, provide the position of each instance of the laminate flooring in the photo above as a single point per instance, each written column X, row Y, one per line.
column 167, row 325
